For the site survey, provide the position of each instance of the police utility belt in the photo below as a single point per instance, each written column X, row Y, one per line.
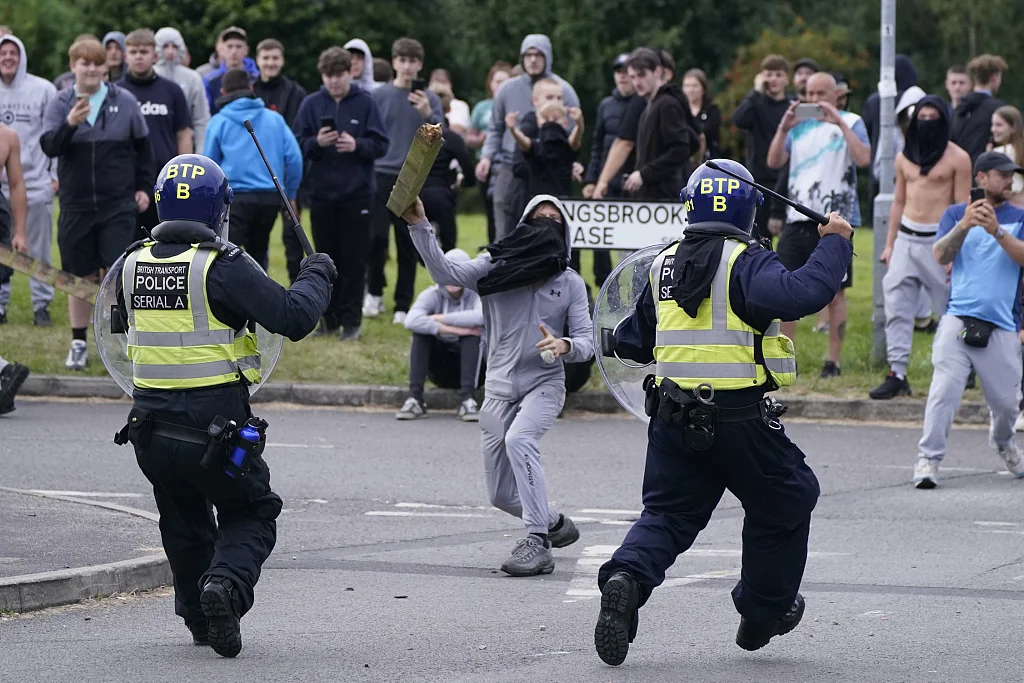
column 226, row 448
column 697, row 413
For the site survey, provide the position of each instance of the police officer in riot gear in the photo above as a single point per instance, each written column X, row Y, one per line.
column 189, row 301
column 709, row 321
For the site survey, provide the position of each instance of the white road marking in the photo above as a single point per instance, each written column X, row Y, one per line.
column 998, row 531
column 299, row 445
column 602, row 511
column 86, row 494
column 997, row 523
column 944, row 469
column 84, row 501
column 400, row 513
column 443, row 507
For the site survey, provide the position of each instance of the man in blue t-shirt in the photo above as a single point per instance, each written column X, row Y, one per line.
column 982, row 240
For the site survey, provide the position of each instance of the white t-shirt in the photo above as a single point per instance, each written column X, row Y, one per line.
column 458, row 114
column 822, row 175
column 1018, row 178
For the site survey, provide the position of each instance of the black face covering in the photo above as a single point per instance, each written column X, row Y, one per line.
column 531, row 253
column 927, row 140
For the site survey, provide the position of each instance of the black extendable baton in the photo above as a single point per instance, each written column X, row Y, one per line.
column 810, row 213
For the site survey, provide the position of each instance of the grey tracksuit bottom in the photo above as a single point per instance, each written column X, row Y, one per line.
column 911, row 269
column 39, row 231
column 511, row 432
column 999, row 368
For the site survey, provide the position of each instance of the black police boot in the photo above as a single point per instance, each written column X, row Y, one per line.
column 616, row 625
column 200, row 632
column 753, row 635
column 225, row 634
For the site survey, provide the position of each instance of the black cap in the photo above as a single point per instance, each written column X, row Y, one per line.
column 995, row 161
column 620, row 61
column 808, row 62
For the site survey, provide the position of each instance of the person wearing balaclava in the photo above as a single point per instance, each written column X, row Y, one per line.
column 516, row 95
column 527, row 291
column 932, row 173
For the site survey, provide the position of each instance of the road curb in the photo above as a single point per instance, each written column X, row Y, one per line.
column 812, row 407
column 30, row 592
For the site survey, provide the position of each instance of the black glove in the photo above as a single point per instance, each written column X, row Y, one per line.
column 322, row 263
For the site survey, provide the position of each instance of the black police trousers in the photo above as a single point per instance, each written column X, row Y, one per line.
column 199, row 549
column 682, row 487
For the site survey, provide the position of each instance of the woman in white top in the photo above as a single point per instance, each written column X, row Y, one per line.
column 1008, row 138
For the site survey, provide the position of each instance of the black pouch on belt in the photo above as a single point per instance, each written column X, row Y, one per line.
column 137, row 430
column 700, row 425
column 650, row 396
column 976, row 332
column 222, row 433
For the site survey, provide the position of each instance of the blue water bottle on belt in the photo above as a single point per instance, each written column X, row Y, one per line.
column 238, row 453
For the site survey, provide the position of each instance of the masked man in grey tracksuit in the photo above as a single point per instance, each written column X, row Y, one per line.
column 527, row 290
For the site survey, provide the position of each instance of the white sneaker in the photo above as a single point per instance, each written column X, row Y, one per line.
column 372, row 306
column 399, row 318
column 78, row 355
column 1011, row 457
column 926, row 473
column 468, row 411
column 1018, row 426
column 411, row 410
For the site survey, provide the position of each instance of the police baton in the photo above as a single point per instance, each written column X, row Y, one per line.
column 810, row 213
column 299, row 232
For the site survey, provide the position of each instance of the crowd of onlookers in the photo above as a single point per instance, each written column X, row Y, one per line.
column 100, row 133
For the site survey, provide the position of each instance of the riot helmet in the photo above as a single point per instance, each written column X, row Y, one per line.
column 712, row 196
column 192, row 199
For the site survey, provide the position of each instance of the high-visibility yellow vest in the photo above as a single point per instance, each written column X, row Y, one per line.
column 174, row 340
column 716, row 347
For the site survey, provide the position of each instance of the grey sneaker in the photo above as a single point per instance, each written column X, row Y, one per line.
column 1012, row 460
column 530, row 558
column 350, row 334
column 926, row 474
column 78, row 355
column 411, row 410
column 468, row 411
column 11, row 379
column 41, row 318
column 567, row 533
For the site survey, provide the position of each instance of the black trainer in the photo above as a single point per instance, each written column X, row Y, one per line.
column 41, row 318
column 753, row 635
column 830, row 370
column 563, row 533
column 892, row 387
column 225, row 632
column 616, row 625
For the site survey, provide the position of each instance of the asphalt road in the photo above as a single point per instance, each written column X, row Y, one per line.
column 386, row 564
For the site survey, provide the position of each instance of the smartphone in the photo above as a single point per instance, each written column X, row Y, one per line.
column 807, row 112
column 977, row 194
column 419, row 84
column 327, row 122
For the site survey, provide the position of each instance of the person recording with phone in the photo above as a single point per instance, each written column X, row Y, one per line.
column 342, row 134
column 824, row 147
column 759, row 114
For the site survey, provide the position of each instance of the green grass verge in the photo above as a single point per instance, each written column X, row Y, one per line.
column 381, row 356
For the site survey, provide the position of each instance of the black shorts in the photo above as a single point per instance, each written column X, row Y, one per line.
column 90, row 241
column 796, row 244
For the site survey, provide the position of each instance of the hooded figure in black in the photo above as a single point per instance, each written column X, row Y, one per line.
column 927, row 139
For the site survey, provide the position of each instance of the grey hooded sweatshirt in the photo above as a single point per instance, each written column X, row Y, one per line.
column 22, row 106
column 189, row 80
column 512, row 318
column 365, row 81
column 516, row 94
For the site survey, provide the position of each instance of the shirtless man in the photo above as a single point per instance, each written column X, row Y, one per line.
column 932, row 173
column 13, row 209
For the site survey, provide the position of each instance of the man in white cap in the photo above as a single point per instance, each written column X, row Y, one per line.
column 446, row 323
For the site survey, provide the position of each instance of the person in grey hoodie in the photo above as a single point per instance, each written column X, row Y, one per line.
column 115, row 55
column 23, row 101
column 527, row 289
column 170, row 50
column 446, row 322
column 362, row 64
column 516, row 95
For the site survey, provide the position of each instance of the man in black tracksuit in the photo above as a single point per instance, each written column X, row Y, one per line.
column 972, row 120
column 438, row 194
column 667, row 136
column 341, row 133
column 283, row 95
column 606, row 128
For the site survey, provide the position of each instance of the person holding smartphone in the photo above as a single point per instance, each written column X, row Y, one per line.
column 759, row 114
column 405, row 104
column 342, row 134
column 824, row 153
